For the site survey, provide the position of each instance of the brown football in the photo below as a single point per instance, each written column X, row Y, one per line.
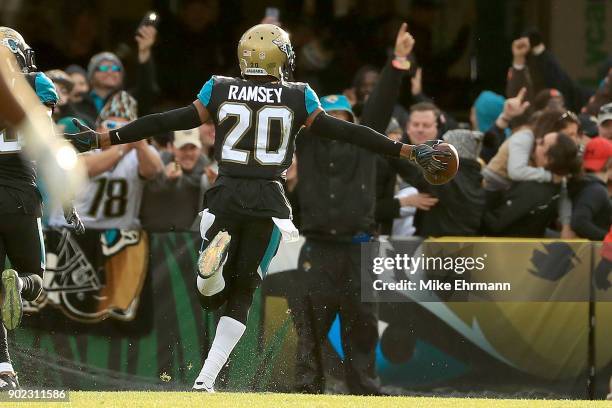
column 452, row 165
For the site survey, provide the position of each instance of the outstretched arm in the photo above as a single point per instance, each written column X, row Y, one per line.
column 329, row 127
column 188, row 117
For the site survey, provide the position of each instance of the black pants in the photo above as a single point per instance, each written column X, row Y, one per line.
column 21, row 240
column 331, row 285
column 249, row 243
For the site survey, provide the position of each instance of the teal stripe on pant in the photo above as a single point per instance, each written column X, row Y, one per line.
column 270, row 251
column 42, row 246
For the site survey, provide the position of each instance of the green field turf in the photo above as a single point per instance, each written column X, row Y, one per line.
column 259, row 400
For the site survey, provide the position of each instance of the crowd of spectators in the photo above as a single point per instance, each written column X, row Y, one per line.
column 525, row 170
column 156, row 185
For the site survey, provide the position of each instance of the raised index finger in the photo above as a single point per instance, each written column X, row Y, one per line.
column 402, row 30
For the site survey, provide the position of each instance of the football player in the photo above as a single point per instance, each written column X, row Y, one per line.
column 256, row 118
column 20, row 199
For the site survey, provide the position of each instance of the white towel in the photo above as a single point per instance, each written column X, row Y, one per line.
column 287, row 229
column 404, row 226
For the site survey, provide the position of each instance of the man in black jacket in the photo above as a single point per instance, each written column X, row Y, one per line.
column 422, row 127
column 336, row 191
column 462, row 200
column 335, row 221
column 592, row 212
column 460, row 203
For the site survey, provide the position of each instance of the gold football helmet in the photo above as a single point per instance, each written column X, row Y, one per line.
column 24, row 55
column 265, row 49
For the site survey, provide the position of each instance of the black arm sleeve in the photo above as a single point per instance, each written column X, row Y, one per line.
column 142, row 128
column 362, row 136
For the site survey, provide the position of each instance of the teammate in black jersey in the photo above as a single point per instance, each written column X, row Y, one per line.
column 20, row 200
column 257, row 118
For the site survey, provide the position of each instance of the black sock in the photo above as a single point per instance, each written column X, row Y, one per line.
column 239, row 303
column 4, row 353
column 32, row 287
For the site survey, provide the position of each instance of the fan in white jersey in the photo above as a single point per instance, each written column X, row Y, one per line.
column 111, row 199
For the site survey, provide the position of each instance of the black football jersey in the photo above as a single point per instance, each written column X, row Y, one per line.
column 256, row 124
column 16, row 171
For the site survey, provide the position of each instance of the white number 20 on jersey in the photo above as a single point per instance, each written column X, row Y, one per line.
column 263, row 118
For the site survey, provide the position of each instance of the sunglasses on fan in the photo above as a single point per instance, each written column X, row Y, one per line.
column 108, row 68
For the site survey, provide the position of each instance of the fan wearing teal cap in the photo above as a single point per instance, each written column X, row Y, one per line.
column 339, row 107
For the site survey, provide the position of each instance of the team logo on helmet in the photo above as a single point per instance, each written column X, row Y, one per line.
column 284, row 46
column 11, row 44
column 15, row 43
